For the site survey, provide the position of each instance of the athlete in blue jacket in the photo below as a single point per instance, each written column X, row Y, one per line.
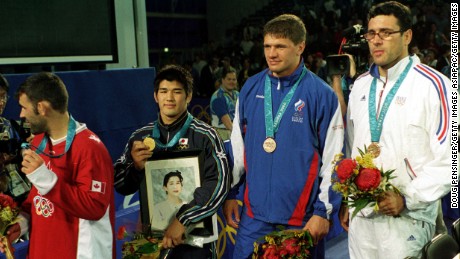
column 287, row 129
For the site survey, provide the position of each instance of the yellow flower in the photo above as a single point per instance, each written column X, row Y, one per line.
column 367, row 161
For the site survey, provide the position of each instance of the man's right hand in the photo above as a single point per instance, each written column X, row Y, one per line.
column 232, row 213
column 344, row 216
column 12, row 234
column 140, row 153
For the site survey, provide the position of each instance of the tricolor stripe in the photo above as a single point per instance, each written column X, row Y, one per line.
column 440, row 87
column 301, row 207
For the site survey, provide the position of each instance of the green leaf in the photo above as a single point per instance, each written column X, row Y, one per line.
column 359, row 204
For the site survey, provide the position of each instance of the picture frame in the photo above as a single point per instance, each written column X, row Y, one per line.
column 156, row 209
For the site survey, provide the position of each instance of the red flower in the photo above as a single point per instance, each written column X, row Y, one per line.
column 271, row 253
column 7, row 201
column 345, row 169
column 368, row 179
column 291, row 246
column 121, row 233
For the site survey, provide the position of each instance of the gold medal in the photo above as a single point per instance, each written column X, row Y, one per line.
column 374, row 149
column 150, row 142
column 269, row 145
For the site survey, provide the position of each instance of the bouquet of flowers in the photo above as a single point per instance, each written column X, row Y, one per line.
column 142, row 246
column 360, row 181
column 293, row 244
column 9, row 211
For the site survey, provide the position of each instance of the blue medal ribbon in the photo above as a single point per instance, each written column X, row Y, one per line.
column 71, row 131
column 175, row 139
column 272, row 125
column 376, row 124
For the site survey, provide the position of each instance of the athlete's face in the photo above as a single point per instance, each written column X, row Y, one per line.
column 387, row 52
column 174, row 186
column 172, row 100
column 282, row 55
column 30, row 113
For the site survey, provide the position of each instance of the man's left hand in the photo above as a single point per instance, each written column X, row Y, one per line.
column 174, row 234
column 318, row 228
column 392, row 204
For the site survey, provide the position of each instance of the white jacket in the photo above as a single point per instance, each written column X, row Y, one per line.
column 416, row 133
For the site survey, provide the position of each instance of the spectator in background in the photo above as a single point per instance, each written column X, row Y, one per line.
column 443, row 61
column 12, row 181
column 223, row 103
column 208, row 78
column 246, row 71
column 319, row 66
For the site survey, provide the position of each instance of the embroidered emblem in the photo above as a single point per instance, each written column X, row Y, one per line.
column 298, row 114
column 183, row 144
column 97, row 186
column 43, row 206
column 411, row 238
column 400, row 100
column 299, row 105
column 363, row 98
column 95, row 138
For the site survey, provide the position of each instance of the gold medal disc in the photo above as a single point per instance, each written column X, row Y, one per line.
column 150, row 142
column 269, row 145
column 374, row 149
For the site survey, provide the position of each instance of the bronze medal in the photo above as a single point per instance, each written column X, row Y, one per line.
column 374, row 149
column 150, row 142
column 269, row 145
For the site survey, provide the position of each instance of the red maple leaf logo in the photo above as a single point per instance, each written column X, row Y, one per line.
column 96, row 186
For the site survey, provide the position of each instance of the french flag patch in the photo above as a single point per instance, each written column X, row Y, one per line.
column 97, row 186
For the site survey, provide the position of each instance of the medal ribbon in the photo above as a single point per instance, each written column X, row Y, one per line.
column 271, row 126
column 377, row 124
column 71, row 130
column 175, row 139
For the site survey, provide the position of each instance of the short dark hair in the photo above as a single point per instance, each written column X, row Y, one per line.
column 175, row 73
column 4, row 83
column 226, row 71
column 45, row 86
column 398, row 10
column 286, row 26
column 172, row 174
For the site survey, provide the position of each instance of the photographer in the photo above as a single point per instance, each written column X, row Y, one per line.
column 12, row 180
column 341, row 84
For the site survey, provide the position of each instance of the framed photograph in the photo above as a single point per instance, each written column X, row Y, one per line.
column 170, row 182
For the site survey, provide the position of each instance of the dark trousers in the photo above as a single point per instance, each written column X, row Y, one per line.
column 190, row 252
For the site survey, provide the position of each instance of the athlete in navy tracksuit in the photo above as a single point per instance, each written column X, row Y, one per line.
column 291, row 185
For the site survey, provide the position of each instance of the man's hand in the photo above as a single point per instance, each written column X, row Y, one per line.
column 174, row 234
column 30, row 161
column 344, row 217
column 140, row 153
column 318, row 228
column 392, row 204
column 12, row 234
column 232, row 213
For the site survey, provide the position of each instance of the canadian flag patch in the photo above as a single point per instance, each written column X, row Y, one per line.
column 97, row 186
column 183, row 141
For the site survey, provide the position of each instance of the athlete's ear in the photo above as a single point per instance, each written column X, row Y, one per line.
column 43, row 107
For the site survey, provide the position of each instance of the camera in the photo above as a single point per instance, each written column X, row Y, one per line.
column 10, row 145
column 357, row 46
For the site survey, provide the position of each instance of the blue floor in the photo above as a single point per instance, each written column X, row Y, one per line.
column 337, row 248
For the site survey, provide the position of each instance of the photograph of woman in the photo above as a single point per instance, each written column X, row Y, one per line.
column 164, row 211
